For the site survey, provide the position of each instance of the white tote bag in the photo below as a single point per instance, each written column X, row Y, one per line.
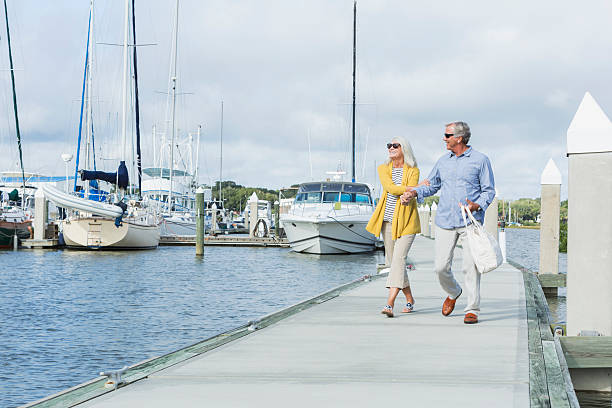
column 483, row 246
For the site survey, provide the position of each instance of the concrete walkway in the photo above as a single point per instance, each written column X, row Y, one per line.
column 345, row 353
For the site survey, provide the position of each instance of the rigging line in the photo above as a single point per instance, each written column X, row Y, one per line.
column 356, row 233
column 8, row 37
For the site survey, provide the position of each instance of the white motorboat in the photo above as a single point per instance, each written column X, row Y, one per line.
column 330, row 218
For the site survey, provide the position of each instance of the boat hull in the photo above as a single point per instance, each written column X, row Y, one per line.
column 9, row 229
column 326, row 236
column 101, row 233
column 171, row 227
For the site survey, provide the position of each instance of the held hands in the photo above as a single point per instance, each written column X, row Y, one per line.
column 410, row 193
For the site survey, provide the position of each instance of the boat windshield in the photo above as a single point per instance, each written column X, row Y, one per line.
column 333, row 193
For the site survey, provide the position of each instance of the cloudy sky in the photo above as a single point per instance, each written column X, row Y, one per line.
column 515, row 71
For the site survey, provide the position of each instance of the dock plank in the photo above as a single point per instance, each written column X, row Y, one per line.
column 554, row 377
column 587, row 352
column 552, row 280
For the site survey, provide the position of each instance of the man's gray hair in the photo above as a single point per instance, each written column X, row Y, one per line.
column 461, row 129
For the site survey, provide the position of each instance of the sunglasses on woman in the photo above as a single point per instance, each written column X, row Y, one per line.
column 394, row 145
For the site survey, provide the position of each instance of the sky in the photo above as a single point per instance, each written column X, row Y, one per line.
column 514, row 71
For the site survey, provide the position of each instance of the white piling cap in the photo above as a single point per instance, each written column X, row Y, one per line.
column 39, row 193
column 200, row 190
column 551, row 173
column 253, row 197
column 434, row 206
column 213, row 207
column 590, row 130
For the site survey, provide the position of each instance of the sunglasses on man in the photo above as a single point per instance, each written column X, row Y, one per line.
column 447, row 135
column 394, row 145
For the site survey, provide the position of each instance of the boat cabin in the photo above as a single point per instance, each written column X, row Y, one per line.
column 333, row 192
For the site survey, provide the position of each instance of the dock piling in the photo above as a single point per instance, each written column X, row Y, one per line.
column 432, row 220
column 549, row 222
column 253, row 215
column 41, row 208
column 277, row 219
column 424, row 218
column 589, row 233
column 200, row 213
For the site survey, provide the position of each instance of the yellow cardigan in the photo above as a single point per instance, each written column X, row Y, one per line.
column 405, row 217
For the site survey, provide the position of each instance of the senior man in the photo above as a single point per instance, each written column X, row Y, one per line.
column 464, row 177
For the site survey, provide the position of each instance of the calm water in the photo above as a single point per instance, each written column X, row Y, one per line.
column 67, row 315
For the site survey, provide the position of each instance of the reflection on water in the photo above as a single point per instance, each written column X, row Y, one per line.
column 523, row 247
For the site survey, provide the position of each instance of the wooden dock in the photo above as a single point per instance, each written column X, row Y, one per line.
column 338, row 350
column 226, row 240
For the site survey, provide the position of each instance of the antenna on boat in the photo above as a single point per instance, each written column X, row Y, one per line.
column 354, row 63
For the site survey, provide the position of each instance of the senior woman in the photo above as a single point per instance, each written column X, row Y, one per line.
column 398, row 222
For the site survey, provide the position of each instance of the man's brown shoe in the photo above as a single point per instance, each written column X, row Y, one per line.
column 470, row 318
column 449, row 305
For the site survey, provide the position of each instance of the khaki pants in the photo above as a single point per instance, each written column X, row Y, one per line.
column 395, row 257
column 446, row 240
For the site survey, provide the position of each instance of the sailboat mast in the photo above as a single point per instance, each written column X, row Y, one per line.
column 78, row 152
column 197, row 165
column 173, row 107
column 8, row 38
column 136, row 106
column 126, row 31
column 221, row 160
column 354, row 63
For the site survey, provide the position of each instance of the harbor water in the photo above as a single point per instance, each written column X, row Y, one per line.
column 67, row 315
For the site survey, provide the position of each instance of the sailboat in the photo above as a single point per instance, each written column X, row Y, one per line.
column 173, row 189
column 15, row 222
column 99, row 220
column 330, row 217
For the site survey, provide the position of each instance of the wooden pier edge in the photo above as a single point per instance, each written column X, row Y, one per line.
column 96, row 387
column 550, row 384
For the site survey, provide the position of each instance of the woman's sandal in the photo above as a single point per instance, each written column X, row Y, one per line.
column 388, row 310
column 409, row 308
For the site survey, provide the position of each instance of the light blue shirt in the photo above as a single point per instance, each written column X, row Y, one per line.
column 468, row 175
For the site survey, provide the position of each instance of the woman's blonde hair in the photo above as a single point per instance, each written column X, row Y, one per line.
column 409, row 158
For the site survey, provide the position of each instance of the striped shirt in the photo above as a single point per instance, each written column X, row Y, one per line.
column 396, row 176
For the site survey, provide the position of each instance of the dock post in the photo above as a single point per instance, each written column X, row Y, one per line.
column 501, row 239
column 213, row 218
column 253, row 215
column 589, row 233
column 277, row 219
column 424, row 218
column 549, row 222
column 490, row 219
column 40, row 215
column 432, row 220
column 200, row 213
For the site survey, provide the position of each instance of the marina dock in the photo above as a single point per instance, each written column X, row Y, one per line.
column 338, row 350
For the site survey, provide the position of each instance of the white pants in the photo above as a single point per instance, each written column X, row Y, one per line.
column 446, row 240
column 395, row 257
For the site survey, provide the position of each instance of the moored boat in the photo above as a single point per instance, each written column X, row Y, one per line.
column 330, row 218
